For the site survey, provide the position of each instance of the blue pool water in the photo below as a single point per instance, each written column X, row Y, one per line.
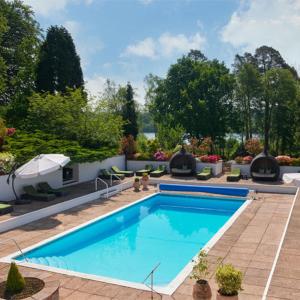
column 165, row 229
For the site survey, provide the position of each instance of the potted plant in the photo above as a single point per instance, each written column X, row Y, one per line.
column 18, row 287
column 201, row 289
column 136, row 184
column 229, row 281
column 145, row 181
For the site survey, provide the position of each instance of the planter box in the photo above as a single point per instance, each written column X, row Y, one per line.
column 135, row 165
column 245, row 168
column 216, row 168
column 288, row 169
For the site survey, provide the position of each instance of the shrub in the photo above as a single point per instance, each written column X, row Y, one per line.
column 25, row 146
column 253, row 146
column 153, row 146
column 200, row 269
column 210, row 158
column 7, row 161
column 142, row 156
column 142, row 143
column 15, row 282
column 295, row 162
column 239, row 159
column 160, row 156
column 247, row 159
column 229, row 280
column 206, row 145
column 177, row 148
column 128, row 146
column 283, row 160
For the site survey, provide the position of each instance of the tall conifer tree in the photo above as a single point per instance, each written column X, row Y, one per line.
column 59, row 64
column 129, row 113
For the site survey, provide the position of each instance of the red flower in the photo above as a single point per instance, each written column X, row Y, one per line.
column 10, row 131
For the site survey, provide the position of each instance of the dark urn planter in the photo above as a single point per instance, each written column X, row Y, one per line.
column 202, row 290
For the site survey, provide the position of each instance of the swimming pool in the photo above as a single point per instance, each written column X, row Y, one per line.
column 125, row 246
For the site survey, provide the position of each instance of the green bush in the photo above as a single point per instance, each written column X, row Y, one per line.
column 229, row 280
column 200, row 269
column 295, row 162
column 15, row 282
column 7, row 161
column 24, row 146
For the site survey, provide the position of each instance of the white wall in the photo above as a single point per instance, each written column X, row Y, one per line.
column 6, row 192
column 245, row 169
column 89, row 171
column 288, row 169
column 135, row 165
column 216, row 168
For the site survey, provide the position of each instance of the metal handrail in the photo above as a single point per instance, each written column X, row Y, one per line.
column 17, row 245
column 96, row 185
column 151, row 274
column 116, row 176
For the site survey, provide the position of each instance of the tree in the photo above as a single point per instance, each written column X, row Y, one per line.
column 280, row 94
column 196, row 94
column 129, row 112
column 69, row 116
column 59, row 64
column 19, row 43
column 248, row 92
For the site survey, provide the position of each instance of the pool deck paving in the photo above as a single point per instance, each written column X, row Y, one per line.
column 250, row 244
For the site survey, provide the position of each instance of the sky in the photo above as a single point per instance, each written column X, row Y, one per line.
column 125, row 40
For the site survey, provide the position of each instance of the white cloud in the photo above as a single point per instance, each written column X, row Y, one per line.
column 179, row 43
column 96, row 84
column 47, row 7
column 145, row 48
column 165, row 46
column 86, row 45
column 273, row 23
column 73, row 27
column 146, row 2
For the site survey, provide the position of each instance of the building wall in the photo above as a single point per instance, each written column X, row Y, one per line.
column 86, row 172
column 6, row 192
column 89, row 171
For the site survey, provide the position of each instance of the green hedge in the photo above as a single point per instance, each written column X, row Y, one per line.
column 25, row 146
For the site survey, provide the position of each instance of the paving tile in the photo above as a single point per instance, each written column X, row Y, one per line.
column 241, row 245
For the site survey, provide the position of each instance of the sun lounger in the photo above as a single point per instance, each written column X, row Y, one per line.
column 147, row 170
column 160, row 171
column 5, row 208
column 45, row 188
column 116, row 170
column 205, row 174
column 235, row 175
column 106, row 174
column 31, row 193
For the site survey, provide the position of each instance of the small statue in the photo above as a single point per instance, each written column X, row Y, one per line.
column 136, row 184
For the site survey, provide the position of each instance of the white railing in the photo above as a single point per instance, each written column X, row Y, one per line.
column 3, row 242
column 105, row 183
column 118, row 178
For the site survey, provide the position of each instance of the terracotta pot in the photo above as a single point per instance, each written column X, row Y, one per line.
column 201, row 290
column 145, row 184
column 221, row 297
